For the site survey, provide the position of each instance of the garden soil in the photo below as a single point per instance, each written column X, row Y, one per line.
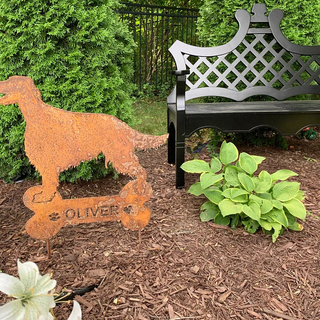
column 183, row 269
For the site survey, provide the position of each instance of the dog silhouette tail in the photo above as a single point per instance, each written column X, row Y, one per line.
column 145, row 141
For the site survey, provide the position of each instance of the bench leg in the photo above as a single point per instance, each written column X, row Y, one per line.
column 176, row 154
column 180, row 154
column 176, row 145
column 171, row 145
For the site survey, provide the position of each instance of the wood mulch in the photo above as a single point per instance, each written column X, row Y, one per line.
column 185, row 269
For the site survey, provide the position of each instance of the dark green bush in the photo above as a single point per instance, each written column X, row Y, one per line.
column 80, row 57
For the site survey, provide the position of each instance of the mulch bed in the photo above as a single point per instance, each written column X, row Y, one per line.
column 185, row 269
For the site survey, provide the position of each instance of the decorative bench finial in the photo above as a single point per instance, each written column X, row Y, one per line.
column 259, row 10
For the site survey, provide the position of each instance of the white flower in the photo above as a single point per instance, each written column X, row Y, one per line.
column 75, row 314
column 33, row 293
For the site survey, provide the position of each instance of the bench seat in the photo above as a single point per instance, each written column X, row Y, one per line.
column 286, row 117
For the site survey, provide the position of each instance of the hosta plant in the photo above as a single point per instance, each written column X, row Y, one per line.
column 239, row 196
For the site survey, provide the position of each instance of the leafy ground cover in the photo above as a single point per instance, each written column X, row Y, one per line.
column 185, row 269
column 235, row 196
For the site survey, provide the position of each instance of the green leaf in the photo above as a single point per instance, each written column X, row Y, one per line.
column 291, row 219
column 215, row 165
column 236, row 195
column 252, row 210
column 227, row 193
column 283, row 174
column 228, row 153
column 196, row 189
column 277, row 227
column 247, row 163
column 266, row 196
column 234, row 221
column 285, row 191
column 258, row 159
column 231, row 176
column 209, row 211
column 195, row 166
column 277, row 204
column 246, row 181
column 264, row 182
column 300, row 195
column 279, row 216
column 296, row 226
column 266, row 225
column 228, row 207
column 232, row 193
column 256, row 199
column 251, row 225
column 208, row 179
column 296, row 208
column 255, row 181
column 223, row 221
column 214, row 196
column 266, row 206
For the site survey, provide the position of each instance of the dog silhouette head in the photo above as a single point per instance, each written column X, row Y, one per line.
column 16, row 88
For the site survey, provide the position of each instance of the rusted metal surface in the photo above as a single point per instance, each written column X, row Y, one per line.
column 56, row 140
column 51, row 216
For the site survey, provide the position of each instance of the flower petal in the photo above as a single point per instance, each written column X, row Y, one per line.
column 44, row 285
column 46, row 317
column 76, row 311
column 28, row 273
column 11, row 285
column 42, row 304
column 32, row 312
column 12, row 310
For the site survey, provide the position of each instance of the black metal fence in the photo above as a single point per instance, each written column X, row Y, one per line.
column 154, row 29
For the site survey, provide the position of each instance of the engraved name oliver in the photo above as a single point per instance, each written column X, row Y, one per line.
column 111, row 211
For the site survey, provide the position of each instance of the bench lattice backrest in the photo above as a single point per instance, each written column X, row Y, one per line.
column 257, row 61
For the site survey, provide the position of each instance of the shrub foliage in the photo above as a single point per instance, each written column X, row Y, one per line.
column 80, row 57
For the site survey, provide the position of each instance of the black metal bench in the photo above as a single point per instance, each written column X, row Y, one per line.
column 258, row 61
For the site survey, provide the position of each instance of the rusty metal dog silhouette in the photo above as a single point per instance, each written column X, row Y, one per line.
column 56, row 140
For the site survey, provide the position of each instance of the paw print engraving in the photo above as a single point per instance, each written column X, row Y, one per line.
column 54, row 216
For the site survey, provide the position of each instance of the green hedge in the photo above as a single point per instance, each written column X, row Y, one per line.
column 80, row 57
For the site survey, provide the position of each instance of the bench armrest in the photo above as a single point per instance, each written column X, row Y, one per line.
column 180, row 72
column 178, row 95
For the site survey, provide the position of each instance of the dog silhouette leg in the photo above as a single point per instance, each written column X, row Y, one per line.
column 48, row 190
column 130, row 165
